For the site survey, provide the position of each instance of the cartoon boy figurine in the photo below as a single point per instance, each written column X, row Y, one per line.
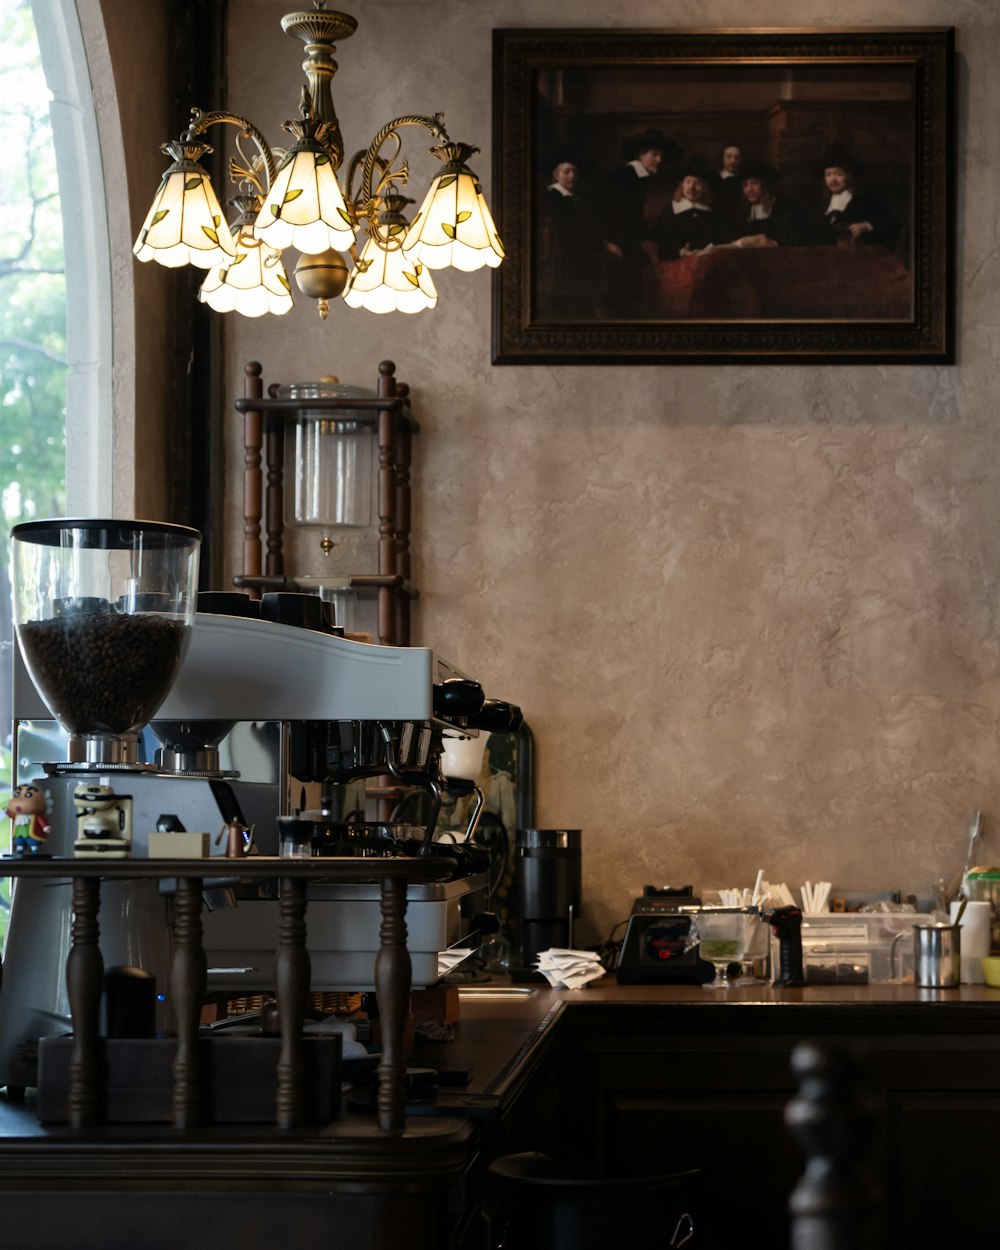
column 29, row 828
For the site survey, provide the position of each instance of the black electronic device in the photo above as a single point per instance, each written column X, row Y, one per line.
column 657, row 944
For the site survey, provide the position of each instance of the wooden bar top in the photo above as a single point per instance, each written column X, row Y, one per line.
column 342, row 869
column 506, row 1029
column 762, row 993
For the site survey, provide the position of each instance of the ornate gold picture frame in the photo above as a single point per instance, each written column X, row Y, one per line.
column 633, row 238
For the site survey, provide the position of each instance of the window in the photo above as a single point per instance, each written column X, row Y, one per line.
column 55, row 371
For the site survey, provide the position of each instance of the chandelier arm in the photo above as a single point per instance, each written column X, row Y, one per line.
column 200, row 122
column 434, row 124
column 367, row 207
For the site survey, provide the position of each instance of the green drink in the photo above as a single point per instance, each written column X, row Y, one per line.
column 721, row 950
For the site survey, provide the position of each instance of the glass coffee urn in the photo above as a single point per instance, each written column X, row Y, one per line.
column 330, row 491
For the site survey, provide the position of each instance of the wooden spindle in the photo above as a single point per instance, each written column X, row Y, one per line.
column 252, row 477
column 404, row 459
column 84, row 981
column 292, row 972
column 393, row 971
column 386, row 431
column 274, row 497
column 188, row 979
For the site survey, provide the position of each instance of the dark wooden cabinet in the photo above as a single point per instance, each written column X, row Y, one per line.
column 656, row 1088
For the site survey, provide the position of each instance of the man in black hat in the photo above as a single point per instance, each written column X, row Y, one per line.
column 690, row 222
column 623, row 218
column 852, row 215
column 766, row 213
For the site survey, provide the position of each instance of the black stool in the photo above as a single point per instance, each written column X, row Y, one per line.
column 532, row 1204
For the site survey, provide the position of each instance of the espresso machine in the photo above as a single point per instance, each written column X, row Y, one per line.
column 254, row 713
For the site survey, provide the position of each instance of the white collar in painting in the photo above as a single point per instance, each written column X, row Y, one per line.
column 683, row 206
column 839, row 201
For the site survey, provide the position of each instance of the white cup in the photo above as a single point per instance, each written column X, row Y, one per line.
column 975, row 939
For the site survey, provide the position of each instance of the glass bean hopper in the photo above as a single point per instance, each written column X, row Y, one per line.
column 103, row 611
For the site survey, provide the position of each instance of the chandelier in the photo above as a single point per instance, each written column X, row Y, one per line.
column 291, row 199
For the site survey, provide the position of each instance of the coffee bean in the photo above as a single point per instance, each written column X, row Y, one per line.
column 102, row 672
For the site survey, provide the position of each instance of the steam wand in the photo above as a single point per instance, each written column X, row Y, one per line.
column 437, row 785
column 459, row 786
column 414, row 778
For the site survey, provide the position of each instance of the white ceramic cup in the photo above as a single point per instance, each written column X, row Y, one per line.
column 975, row 939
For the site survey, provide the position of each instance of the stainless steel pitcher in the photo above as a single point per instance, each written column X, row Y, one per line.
column 936, row 955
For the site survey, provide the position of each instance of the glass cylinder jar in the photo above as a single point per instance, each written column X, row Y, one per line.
column 328, row 458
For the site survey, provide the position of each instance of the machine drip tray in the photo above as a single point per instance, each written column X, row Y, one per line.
column 495, row 991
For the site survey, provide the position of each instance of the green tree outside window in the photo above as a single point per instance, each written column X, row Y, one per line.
column 33, row 364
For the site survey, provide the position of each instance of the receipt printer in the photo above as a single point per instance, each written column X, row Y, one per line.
column 658, row 945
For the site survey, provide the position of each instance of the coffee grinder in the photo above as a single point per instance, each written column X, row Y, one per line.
column 103, row 611
column 548, row 870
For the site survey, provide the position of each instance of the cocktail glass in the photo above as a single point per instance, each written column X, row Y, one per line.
column 727, row 937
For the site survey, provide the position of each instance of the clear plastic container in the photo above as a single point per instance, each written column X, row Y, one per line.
column 855, row 948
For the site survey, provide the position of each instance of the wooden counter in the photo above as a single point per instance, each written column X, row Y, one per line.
column 612, row 1080
column 641, row 1079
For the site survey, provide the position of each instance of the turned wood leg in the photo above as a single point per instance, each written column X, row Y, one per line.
column 84, row 978
column 291, row 984
column 188, row 977
column 392, row 985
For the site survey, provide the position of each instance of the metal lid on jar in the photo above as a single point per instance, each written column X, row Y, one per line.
column 549, row 839
column 106, row 533
column 330, row 387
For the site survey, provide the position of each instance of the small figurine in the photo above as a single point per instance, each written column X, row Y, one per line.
column 29, row 827
column 103, row 822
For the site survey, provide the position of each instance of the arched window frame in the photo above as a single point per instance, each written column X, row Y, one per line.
column 90, row 376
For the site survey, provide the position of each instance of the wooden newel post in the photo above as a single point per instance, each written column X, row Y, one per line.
column 835, row 1204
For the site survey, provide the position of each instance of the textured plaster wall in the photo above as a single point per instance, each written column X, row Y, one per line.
column 750, row 612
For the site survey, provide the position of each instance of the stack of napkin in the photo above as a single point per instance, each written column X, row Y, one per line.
column 569, row 970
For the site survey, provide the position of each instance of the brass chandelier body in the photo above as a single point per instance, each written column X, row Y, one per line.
column 292, row 199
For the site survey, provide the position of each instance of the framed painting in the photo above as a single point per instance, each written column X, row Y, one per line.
column 734, row 196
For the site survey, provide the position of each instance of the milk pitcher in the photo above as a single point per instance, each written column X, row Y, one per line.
column 936, row 955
